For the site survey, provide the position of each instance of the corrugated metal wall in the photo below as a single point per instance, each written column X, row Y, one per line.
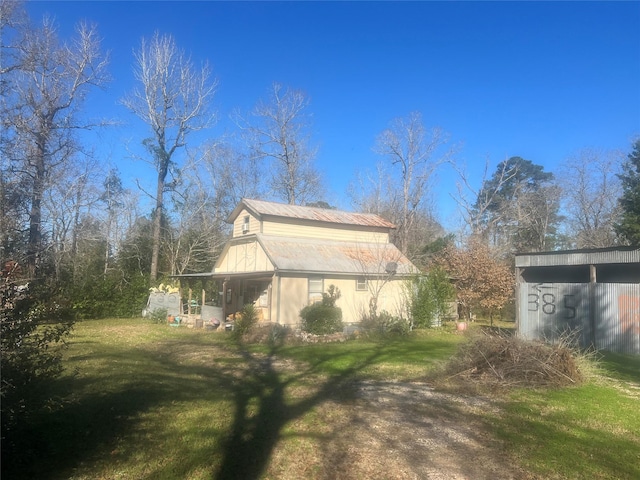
column 546, row 310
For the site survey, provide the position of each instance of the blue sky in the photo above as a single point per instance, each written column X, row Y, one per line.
column 540, row 80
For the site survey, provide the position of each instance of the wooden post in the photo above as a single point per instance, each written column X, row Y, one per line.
column 592, row 303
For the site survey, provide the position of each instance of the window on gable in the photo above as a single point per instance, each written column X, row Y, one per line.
column 362, row 284
column 245, row 224
column 316, row 287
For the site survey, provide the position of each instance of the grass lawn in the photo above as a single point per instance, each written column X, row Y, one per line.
column 146, row 401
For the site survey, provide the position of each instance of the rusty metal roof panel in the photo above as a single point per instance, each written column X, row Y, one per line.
column 580, row 257
column 308, row 255
column 325, row 215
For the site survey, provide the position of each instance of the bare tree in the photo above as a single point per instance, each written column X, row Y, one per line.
column 45, row 82
column 591, row 191
column 71, row 196
column 278, row 133
column 414, row 153
column 474, row 202
column 230, row 174
column 172, row 99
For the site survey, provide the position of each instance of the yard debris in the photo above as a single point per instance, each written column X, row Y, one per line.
column 498, row 360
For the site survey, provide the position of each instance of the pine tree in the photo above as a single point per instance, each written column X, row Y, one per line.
column 629, row 226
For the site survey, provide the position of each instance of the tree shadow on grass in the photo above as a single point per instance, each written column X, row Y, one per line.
column 253, row 436
column 92, row 414
column 86, row 428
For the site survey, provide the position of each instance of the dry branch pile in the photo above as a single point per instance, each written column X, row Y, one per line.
column 508, row 361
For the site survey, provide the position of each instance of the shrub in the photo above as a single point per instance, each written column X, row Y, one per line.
column 429, row 296
column 321, row 319
column 34, row 325
column 385, row 325
column 159, row 315
column 271, row 334
column 247, row 321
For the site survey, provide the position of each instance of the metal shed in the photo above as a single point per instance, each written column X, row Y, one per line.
column 594, row 293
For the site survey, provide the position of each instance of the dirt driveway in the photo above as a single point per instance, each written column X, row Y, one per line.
column 409, row 431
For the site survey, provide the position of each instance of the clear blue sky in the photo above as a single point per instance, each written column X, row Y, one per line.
column 540, row 80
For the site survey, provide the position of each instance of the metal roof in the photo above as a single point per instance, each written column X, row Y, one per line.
column 309, row 255
column 580, row 257
column 262, row 208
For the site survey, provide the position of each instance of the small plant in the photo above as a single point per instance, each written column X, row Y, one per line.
column 272, row 334
column 247, row 321
column 323, row 318
column 385, row 325
column 159, row 315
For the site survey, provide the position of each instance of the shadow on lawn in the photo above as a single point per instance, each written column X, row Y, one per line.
column 249, row 446
column 88, row 426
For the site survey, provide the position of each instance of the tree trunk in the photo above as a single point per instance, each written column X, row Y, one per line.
column 157, row 226
column 34, row 252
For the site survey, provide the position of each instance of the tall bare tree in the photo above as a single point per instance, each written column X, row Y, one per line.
column 173, row 99
column 474, row 202
column 414, row 153
column 591, row 190
column 45, row 82
column 277, row 130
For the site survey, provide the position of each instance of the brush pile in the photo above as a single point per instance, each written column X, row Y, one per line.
column 506, row 361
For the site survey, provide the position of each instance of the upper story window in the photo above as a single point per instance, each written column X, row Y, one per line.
column 245, row 224
column 362, row 284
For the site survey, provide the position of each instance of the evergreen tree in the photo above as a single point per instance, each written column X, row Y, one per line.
column 518, row 207
column 629, row 226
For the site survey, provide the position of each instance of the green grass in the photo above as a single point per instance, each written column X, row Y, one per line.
column 586, row 432
column 403, row 358
column 145, row 401
column 591, row 431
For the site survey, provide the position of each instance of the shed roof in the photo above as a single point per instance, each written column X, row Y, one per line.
column 593, row 256
column 261, row 208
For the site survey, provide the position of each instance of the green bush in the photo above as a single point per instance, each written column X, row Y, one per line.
column 159, row 315
column 247, row 321
column 429, row 296
column 35, row 323
column 321, row 319
column 385, row 325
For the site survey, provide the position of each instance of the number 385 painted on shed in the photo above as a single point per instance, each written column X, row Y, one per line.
column 546, row 302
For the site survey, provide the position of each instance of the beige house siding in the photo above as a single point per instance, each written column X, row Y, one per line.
column 245, row 257
column 354, row 303
column 295, row 296
column 302, row 229
column 254, row 224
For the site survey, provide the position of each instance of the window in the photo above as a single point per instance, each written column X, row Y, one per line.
column 245, row 224
column 316, row 287
column 362, row 284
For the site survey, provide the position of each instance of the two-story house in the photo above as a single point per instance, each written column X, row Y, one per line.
column 283, row 257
